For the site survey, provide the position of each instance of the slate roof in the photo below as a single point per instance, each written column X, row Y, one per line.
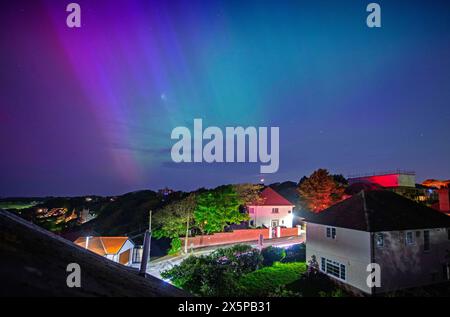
column 34, row 261
column 380, row 210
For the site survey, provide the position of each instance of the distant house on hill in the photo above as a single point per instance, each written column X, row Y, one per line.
column 409, row 241
column 86, row 215
column 272, row 211
column 400, row 182
column 443, row 204
column 117, row 249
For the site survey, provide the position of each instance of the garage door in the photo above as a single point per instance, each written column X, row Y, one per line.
column 124, row 257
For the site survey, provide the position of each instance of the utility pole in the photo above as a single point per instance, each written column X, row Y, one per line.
column 147, row 244
column 187, row 236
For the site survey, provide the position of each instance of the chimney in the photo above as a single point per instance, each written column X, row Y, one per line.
column 444, row 200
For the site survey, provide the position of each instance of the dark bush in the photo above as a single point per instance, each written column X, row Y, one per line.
column 315, row 284
column 272, row 254
column 295, row 253
column 216, row 274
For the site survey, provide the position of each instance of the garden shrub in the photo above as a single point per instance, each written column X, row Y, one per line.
column 315, row 284
column 264, row 281
column 216, row 274
column 295, row 253
column 175, row 246
column 272, row 254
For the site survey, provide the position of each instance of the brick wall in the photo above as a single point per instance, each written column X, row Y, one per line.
column 236, row 236
column 288, row 232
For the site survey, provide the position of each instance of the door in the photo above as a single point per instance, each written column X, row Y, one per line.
column 274, row 224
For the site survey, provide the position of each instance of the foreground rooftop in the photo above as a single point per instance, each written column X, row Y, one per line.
column 34, row 260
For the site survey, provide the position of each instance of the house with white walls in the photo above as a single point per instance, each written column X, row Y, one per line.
column 117, row 249
column 273, row 210
column 409, row 243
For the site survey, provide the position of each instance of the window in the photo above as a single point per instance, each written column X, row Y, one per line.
column 379, row 238
column 426, row 240
column 251, row 211
column 274, row 210
column 331, row 233
column 252, row 223
column 342, row 271
column 409, row 237
column 137, row 254
column 333, row 268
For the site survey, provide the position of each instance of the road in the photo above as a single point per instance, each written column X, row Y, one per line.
column 167, row 262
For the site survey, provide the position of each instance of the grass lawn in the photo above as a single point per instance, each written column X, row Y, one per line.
column 266, row 280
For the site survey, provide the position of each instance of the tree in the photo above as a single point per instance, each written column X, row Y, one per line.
column 248, row 193
column 340, row 179
column 173, row 219
column 218, row 208
column 320, row 191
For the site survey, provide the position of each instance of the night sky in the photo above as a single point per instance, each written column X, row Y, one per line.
column 90, row 110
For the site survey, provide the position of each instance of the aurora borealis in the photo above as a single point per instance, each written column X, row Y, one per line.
column 90, row 110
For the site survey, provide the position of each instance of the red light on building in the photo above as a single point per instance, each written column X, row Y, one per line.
column 388, row 180
column 385, row 180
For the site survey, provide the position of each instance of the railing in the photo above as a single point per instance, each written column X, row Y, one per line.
column 398, row 171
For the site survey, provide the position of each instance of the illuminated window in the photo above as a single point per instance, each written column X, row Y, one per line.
column 426, row 240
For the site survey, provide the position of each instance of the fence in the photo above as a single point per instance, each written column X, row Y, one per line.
column 241, row 235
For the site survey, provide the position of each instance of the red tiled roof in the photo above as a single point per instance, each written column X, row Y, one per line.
column 272, row 198
column 102, row 245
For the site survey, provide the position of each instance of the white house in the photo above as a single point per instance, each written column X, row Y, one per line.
column 117, row 249
column 410, row 242
column 272, row 211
